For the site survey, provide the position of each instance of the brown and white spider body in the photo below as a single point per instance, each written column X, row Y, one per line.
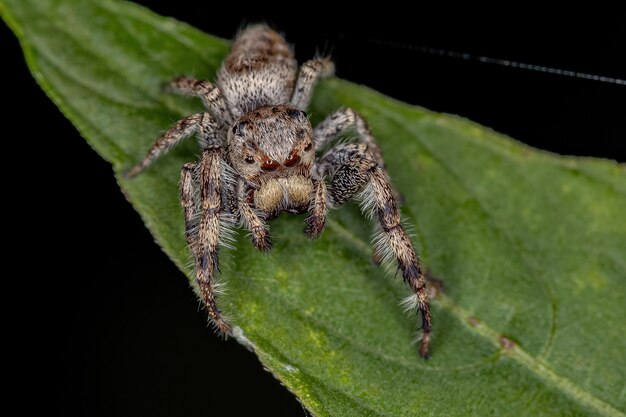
column 259, row 160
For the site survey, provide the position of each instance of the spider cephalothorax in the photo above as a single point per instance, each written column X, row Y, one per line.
column 261, row 158
column 272, row 149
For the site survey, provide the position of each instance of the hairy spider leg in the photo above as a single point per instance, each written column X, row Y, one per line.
column 310, row 73
column 355, row 171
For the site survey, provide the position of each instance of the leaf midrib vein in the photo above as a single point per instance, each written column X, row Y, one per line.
column 537, row 367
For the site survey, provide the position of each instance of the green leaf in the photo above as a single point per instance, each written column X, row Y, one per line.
column 531, row 246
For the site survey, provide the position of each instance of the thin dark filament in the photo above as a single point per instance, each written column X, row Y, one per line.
column 497, row 61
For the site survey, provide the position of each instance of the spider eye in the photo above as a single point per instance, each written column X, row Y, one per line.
column 270, row 165
column 249, row 160
column 294, row 113
column 308, row 147
column 292, row 160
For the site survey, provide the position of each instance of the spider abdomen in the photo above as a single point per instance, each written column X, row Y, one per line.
column 260, row 71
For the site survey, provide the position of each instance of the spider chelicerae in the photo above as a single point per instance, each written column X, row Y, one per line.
column 259, row 160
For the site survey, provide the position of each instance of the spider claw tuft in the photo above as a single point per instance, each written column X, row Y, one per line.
column 170, row 86
column 425, row 346
column 263, row 243
column 223, row 328
column 315, row 226
column 132, row 172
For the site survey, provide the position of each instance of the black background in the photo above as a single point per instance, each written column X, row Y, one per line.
column 117, row 330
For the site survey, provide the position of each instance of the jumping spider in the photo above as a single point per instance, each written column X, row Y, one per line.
column 259, row 160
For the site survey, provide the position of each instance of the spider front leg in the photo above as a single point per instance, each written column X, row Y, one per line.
column 184, row 128
column 354, row 168
column 202, row 225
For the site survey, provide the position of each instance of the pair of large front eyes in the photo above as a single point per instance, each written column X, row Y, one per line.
column 291, row 160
